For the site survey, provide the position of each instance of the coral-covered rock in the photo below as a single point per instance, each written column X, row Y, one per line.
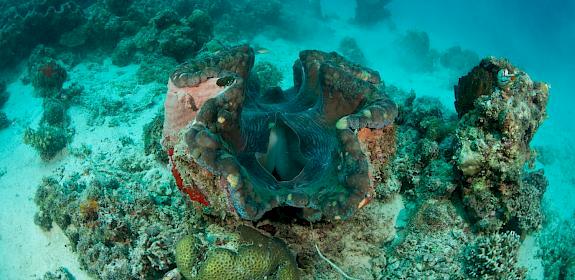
column 47, row 140
column 166, row 35
column 46, row 73
column 54, row 112
column 250, row 152
column 501, row 108
column 422, row 166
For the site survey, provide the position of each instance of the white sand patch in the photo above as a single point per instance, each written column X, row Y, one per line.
column 27, row 252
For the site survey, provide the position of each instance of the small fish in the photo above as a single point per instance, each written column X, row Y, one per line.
column 225, row 81
column 262, row 50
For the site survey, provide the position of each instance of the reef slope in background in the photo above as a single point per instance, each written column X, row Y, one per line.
column 383, row 183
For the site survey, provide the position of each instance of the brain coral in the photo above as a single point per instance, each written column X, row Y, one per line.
column 248, row 152
column 256, row 256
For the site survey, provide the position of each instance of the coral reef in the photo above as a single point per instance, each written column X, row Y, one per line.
column 258, row 15
column 252, row 256
column 118, row 7
column 167, row 35
column 424, row 135
column 557, row 248
column 369, row 12
column 29, row 23
column 500, row 110
column 494, row 257
column 267, row 75
column 350, row 50
column 289, row 20
column 122, row 214
column 243, row 139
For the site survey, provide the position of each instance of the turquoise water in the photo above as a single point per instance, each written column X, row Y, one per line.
column 100, row 178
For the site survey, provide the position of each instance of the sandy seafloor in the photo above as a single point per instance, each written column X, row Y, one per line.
column 26, row 252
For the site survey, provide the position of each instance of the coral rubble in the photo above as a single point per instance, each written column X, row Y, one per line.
column 279, row 148
column 431, row 247
column 122, row 214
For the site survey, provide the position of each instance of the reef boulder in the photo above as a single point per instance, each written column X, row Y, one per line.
column 246, row 152
column 500, row 110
